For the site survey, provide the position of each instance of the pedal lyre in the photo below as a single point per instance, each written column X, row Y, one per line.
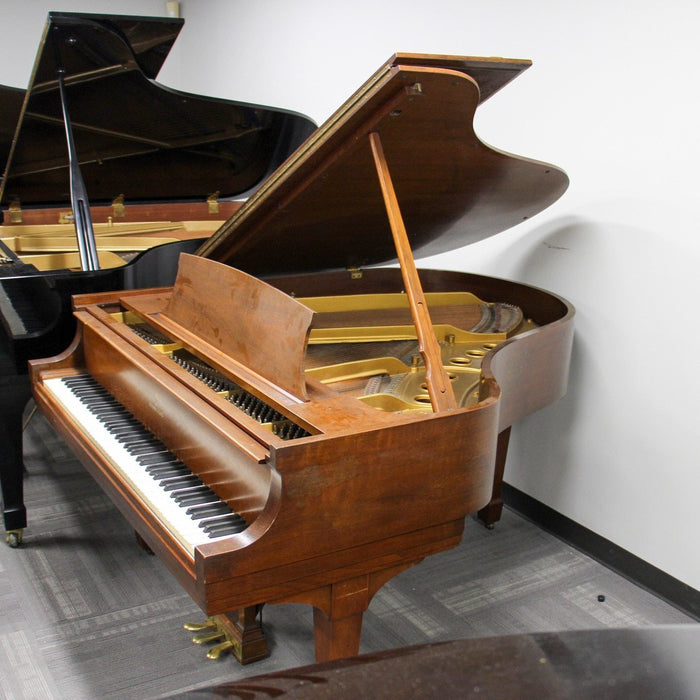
column 242, row 635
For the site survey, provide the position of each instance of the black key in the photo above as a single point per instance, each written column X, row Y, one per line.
column 221, row 521
column 198, row 494
column 156, row 458
column 145, row 447
column 225, row 529
column 167, row 471
column 207, row 510
column 178, row 483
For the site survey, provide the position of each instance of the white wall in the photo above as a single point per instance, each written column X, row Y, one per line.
column 613, row 99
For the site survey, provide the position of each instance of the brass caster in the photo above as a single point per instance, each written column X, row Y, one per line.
column 13, row 538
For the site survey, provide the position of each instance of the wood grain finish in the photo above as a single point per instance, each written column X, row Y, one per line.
column 439, row 389
column 323, row 210
column 262, row 328
column 361, row 493
column 367, row 495
column 348, row 503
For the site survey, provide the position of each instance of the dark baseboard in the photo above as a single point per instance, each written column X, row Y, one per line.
column 673, row 591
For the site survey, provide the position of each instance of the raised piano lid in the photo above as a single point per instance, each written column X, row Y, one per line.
column 11, row 105
column 323, row 208
column 133, row 136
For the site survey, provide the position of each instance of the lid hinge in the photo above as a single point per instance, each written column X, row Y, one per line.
column 118, row 208
column 212, row 202
column 15, row 210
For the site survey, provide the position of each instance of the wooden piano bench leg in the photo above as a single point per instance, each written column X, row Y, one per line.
column 490, row 514
column 239, row 633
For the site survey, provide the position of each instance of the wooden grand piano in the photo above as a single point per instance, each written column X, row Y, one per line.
column 292, row 422
column 161, row 169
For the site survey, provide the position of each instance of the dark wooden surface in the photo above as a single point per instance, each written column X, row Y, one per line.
column 323, row 209
column 649, row 663
column 264, row 329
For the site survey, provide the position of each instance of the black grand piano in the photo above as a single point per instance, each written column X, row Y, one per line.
column 93, row 96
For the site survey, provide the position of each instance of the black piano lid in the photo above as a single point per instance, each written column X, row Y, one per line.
column 10, row 107
column 323, row 209
column 133, row 136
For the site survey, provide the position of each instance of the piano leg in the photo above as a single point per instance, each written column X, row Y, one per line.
column 15, row 392
column 338, row 610
column 337, row 638
column 490, row 514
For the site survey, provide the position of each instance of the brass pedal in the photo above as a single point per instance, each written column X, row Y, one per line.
column 216, row 651
column 207, row 631
column 206, row 637
column 212, row 630
column 241, row 635
column 208, row 624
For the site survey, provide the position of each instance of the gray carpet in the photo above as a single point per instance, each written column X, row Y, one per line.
column 86, row 613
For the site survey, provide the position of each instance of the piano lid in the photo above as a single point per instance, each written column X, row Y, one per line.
column 133, row 136
column 11, row 100
column 323, row 209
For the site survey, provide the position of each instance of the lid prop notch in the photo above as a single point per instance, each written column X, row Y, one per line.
column 442, row 396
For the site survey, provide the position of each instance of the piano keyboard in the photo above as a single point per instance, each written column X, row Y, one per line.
column 188, row 508
column 251, row 405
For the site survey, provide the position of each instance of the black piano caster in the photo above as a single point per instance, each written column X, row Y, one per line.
column 14, row 538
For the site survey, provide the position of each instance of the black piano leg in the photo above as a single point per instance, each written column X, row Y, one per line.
column 490, row 514
column 15, row 392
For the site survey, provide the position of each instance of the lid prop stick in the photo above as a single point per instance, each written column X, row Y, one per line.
column 439, row 388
